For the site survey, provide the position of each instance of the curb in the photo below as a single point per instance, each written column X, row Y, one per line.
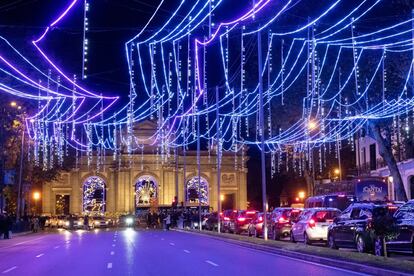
column 350, row 266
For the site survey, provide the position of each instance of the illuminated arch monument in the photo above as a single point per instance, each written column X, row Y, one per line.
column 131, row 185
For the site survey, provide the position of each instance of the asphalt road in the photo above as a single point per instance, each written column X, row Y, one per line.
column 143, row 252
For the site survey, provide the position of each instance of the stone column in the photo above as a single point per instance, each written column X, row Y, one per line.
column 76, row 193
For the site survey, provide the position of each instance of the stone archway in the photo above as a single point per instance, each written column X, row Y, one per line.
column 94, row 195
column 146, row 190
column 192, row 190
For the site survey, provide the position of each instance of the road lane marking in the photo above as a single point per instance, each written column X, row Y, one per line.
column 186, row 251
column 113, row 245
column 56, row 247
column 211, row 263
column 40, row 255
column 171, row 243
column 109, row 266
column 112, row 253
column 162, row 239
column 10, row 269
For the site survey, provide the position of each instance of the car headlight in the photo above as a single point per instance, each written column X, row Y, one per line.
column 67, row 223
column 96, row 222
column 129, row 220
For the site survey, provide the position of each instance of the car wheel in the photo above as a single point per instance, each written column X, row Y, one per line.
column 292, row 238
column 255, row 234
column 331, row 242
column 379, row 246
column 361, row 245
column 249, row 232
column 306, row 239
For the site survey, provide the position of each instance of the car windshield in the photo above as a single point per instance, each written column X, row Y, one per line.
column 405, row 212
column 293, row 214
column 323, row 216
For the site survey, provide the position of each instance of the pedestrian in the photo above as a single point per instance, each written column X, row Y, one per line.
column 2, row 225
column 86, row 222
column 35, row 225
column 149, row 219
column 168, row 221
column 8, row 228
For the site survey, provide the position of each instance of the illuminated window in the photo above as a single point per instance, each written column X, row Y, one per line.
column 94, row 195
column 145, row 190
column 193, row 188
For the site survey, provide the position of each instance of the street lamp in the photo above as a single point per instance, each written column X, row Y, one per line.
column 13, row 104
column 36, row 198
column 301, row 195
column 222, row 197
column 312, row 125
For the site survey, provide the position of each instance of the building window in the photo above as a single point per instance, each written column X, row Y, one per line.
column 145, row 190
column 94, row 195
column 193, row 188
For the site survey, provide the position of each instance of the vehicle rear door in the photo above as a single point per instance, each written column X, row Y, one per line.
column 299, row 227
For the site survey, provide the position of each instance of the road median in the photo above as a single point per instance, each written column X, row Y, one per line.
column 363, row 263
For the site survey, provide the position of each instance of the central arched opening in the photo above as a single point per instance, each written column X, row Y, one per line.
column 94, row 195
column 197, row 191
column 146, row 190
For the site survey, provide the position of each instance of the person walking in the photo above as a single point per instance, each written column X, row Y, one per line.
column 2, row 225
column 168, row 221
column 8, row 228
column 86, row 222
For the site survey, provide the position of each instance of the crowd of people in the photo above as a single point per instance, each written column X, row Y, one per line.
column 172, row 218
column 6, row 224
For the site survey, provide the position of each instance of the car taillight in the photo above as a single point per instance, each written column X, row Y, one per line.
column 283, row 220
column 312, row 223
column 241, row 219
column 226, row 218
column 260, row 218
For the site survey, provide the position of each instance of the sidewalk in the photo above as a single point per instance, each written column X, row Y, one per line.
column 363, row 263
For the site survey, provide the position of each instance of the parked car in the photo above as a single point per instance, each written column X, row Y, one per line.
column 404, row 240
column 228, row 218
column 255, row 227
column 281, row 221
column 353, row 228
column 312, row 225
column 242, row 221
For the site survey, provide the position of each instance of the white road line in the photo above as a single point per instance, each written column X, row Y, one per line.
column 211, row 263
column 113, row 245
column 56, row 247
column 171, row 243
column 40, row 255
column 186, row 251
column 10, row 269
column 109, row 266
column 112, row 253
column 162, row 239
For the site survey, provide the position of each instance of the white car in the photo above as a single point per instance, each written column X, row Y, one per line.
column 312, row 225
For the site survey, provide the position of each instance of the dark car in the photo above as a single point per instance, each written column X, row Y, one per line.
column 237, row 221
column 281, row 221
column 404, row 239
column 228, row 218
column 242, row 221
column 255, row 227
column 354, row 227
